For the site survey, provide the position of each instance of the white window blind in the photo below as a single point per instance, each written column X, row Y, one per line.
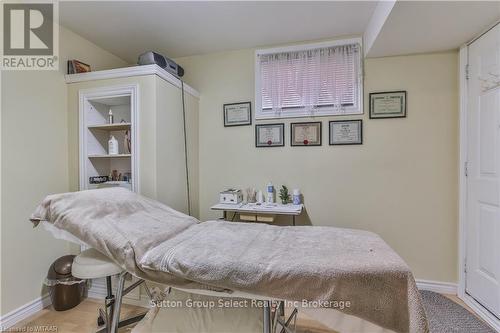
column 319, row 81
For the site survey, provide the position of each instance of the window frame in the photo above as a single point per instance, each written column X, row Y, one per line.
column 260, row 114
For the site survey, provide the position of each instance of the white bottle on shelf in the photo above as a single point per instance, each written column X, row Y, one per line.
column 270, row 193
column 296, row 196
column 260, row 197
column 110, row 116
column 112, row 146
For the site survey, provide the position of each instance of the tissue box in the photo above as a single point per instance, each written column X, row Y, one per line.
column 230, row 196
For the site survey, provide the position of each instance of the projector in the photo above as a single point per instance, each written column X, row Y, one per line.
column 150, row 58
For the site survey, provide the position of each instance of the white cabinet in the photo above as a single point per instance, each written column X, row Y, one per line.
column 146, row 102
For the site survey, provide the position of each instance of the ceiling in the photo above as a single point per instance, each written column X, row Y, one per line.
column 176, row 29
column 430, row 26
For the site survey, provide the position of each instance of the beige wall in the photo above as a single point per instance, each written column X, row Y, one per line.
column 401, row 183
column 34, row 163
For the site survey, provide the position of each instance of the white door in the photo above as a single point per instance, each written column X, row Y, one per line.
column 483, row 171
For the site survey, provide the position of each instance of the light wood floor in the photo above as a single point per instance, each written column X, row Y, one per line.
column 82, row 319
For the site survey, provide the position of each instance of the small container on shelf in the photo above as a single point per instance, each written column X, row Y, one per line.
column 296, row 197
column 112, row 146
column 231, row 196
column 270, row 193
column 110, row 116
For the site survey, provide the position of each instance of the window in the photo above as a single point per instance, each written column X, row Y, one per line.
column 309, row 80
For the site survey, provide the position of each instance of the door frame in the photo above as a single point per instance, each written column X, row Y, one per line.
column 487, row 316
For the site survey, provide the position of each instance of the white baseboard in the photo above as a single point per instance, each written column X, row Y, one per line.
column 144, row 301
column 98, row 291
column 437, row 286
column 23, row 312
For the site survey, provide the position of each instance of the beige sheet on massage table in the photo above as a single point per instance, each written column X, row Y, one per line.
column 157, row 243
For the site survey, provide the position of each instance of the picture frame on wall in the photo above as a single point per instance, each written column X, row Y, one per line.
column 346, row 132
column 76, row 67
column 237, row 114
column 270, row 135
column 305, row 134
column 390, row 104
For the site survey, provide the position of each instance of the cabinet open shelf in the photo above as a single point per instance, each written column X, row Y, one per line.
column 110, row 156
column 111, row 127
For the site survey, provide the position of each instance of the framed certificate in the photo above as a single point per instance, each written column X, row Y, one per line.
column 346, row 132
column 388, row 105
column 270, row 135
column 237, row 114
column 305, row 134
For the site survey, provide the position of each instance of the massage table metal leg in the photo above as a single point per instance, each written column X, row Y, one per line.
column 118, row 302
column 267, row 317
column 109, row 303
column 285, row 323
column 125, row 322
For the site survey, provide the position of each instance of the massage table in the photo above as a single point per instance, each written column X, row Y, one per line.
column 315, row 265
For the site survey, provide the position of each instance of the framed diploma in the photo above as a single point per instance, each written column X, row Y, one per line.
column 346, row 132
column 270, row 135
column 388, row 105
column 237, row 114
column 305, row 134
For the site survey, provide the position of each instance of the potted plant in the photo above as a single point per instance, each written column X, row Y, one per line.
column 284, row 195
